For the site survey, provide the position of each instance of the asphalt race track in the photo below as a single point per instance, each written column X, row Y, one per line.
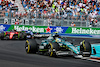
column 12, row 54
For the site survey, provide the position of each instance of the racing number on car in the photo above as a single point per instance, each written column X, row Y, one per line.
column 11, row 35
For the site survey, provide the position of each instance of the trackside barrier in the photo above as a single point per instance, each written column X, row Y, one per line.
column 64, row 31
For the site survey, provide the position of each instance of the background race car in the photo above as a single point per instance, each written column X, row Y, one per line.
column 56, row 46
column 29, row 34
column 13, row 34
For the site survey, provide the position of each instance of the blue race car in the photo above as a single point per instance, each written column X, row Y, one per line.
column 56, row 45
column 29, row 34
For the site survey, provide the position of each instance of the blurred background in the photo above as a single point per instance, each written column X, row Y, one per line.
column 79, row 13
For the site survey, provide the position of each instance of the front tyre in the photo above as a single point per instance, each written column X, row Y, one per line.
column 85, row 49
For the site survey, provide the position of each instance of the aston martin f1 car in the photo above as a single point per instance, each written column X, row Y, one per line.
column 56, row 46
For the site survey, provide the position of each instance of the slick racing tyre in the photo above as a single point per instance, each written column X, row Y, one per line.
column 2, row 36
column 85, row 49
column 22, row 35
column 53, row 47
column 31, row 46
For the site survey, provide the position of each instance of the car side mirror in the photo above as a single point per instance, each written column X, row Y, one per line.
column 71, row 43
column 94, row 51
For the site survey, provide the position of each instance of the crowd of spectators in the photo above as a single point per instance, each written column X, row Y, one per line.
column 5, row 6
column 59, row 9
column 75, row 9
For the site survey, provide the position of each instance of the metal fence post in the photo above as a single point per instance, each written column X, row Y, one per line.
column 9, row 17
column 62, row 21
column 42, row 17
column 81, row 20
column 68, row 20
column 87, row 22
column 36, row 17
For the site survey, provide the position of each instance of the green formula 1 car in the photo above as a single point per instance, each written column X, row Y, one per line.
column 56, row 46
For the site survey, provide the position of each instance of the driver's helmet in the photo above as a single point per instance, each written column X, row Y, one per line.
column 29, row 30
column 58, row 39
column 14, row 30
column 56, row 36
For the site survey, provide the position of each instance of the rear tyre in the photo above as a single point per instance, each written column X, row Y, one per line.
column 2, row 36
column 22, row 36
column 85, row 49
column 31, row 46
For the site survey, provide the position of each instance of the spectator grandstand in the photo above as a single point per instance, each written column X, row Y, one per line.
column 83, row 10
column 76, row 9
column 5, row 6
